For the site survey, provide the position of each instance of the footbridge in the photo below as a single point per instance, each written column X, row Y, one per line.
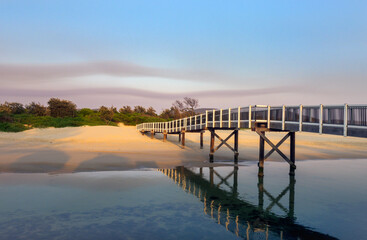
column 345, row 120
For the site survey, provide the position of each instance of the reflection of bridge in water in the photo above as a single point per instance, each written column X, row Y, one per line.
column 245, row 219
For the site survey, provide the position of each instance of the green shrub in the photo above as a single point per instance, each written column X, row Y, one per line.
column 12, row 127
column 86, row 112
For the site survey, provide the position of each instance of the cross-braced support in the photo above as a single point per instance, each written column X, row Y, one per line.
column 276, row 200
column 224, row 180
column 275, row 148
column 213, row 135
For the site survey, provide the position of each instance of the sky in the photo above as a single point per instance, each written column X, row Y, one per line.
column 150, row 53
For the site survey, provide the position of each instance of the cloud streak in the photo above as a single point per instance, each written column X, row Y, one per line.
column 54, row 72
column 133, row 92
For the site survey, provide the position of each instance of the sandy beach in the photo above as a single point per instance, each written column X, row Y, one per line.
column 103, row 148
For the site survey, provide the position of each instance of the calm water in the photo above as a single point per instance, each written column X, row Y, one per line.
column 325, row 200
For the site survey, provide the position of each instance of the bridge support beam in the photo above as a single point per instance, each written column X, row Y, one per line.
column 164, row 135
column 234, row 149
column 275, row 148
column 261, row 156
column 201, row 139
column 183, row 138
column 292, row 182
column 292, row 168
column 260, row 197
column 152, row 134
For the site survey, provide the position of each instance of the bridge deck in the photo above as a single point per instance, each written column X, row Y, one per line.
column 346, row 120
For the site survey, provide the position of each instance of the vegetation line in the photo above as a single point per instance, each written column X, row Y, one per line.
column 15, row 117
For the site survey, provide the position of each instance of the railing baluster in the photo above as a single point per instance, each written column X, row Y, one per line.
column 239, row 117
column 345, row 120
column 268, row 116
column 321, row 118
column 249, row 116
column 201, row 121
column 221, row 118
column 300, row 117
column 213, row 118
column 283, row 117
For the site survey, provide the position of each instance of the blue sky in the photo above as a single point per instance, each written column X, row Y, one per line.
column 225, row 53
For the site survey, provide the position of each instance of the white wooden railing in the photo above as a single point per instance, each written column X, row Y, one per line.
column 296, row 118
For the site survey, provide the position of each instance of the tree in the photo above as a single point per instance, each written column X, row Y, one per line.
column 5, row 109
column 139, row 109
column 114, row 109
column 61, row 108
column 191, row 104
column 106, row 114
column 36, row 109
column 171, row 113
column 126, row 109
column 151, row 112
column 15, row 108
column 187, row 106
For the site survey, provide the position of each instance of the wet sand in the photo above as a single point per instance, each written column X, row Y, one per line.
column 103, row 148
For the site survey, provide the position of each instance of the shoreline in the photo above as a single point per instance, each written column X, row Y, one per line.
column 109, row 148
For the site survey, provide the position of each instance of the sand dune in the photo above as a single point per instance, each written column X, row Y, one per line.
column 103, row 148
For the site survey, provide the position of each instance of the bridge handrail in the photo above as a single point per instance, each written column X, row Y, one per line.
column 345, row 116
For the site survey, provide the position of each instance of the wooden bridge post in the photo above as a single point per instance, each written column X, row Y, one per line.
column 261, row 156
column 164, row 135
column 236, row 146
column 235, row 181
column 292, row 182
column 260, row 186
column 211, row 154
column 211, row 174
column 183, row 138
column 152, row 134
column 292, row 152
column 201, row 139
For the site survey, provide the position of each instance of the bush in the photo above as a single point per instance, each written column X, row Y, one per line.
column 36, row 109
column 139, row 109
column 86, row 112
column 151, row 112
column 14, row 107
column 5, row 109
column 61, row 108
column 12, row 127
column 5, row 117
column 106, row 114
column 126, row 109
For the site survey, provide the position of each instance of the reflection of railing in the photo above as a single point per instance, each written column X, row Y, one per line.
column 246, row 220
column 341, row 120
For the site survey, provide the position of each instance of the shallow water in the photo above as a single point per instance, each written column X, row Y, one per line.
column 325, row 200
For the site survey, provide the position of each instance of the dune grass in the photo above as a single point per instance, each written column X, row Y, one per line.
column 25, row 121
